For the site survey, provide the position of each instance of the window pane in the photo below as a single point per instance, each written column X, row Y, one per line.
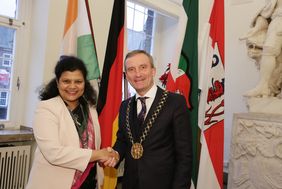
column 130, row 18
column 8, row 8
column 140, row 8
column 138, row 21
column 135, row 40
column 147, row 44
column 149, row 21
column 7, row 36
column 129, row 4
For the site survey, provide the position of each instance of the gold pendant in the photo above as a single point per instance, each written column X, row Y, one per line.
column 137, row 150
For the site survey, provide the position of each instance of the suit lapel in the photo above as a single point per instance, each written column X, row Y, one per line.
column 133, row 123
column 154, row 105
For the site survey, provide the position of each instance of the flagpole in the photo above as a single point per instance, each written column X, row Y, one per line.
column 92, row 34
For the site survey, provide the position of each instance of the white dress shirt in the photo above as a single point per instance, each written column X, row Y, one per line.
column 151, row 94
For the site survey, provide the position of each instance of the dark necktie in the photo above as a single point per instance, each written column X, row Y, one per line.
column 142, row 113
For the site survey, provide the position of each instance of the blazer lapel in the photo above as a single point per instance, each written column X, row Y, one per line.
column 67, row 122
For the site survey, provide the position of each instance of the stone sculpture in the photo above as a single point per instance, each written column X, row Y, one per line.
column 256, row 152
column 264, row 42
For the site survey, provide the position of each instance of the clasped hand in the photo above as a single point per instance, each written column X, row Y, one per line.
column 110, row 157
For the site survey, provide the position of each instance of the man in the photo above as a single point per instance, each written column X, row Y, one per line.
column 154, row 136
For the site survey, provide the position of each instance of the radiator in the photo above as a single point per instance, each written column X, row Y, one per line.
column 14, row 166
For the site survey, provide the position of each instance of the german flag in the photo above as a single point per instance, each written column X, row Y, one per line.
column 110, row 91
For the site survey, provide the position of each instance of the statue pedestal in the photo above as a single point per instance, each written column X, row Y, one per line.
column 256, row 151
column 270, row 105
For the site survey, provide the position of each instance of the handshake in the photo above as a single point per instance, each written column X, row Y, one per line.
column 107, row 157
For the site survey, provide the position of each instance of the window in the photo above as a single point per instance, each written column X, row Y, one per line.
column 7, row 60
column 12, row 34
column 140, row 23
column 3, row 101
column 140, row 28
column 157, row 28
column 8, row 8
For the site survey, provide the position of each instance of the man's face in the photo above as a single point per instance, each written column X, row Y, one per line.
column 140, row 73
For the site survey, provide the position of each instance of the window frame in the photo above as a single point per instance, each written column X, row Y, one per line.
column 15, row 98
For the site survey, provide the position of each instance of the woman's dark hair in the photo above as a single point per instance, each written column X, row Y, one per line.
column 68, row 63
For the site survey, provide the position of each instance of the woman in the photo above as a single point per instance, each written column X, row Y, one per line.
column 67, row 132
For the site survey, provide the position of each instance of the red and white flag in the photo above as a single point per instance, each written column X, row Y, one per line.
column 175, row 78
column 211, row 103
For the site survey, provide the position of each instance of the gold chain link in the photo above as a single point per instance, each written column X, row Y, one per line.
column 150, row 121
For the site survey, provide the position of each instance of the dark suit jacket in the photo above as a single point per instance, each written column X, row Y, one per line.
column 167, row 158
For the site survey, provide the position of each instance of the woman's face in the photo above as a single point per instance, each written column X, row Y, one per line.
column 71, row 87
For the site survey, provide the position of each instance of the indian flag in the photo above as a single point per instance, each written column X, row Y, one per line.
column 78, row 37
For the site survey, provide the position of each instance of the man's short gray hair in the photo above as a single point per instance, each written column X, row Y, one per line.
column 135, row 52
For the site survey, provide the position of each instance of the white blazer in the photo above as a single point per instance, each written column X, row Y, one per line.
column 58, row 154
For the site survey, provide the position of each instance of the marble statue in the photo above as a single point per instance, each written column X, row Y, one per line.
column 264, row 42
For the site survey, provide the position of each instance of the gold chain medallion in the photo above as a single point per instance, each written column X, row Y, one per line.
column 137, row 150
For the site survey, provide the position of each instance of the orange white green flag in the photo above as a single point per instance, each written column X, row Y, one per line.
column 78, row 39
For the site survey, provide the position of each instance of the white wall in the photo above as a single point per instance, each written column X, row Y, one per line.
column 46, row 35
column 47, row 31
column 101, row 18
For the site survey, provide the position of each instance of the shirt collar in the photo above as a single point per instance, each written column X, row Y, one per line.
column 151, row 93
